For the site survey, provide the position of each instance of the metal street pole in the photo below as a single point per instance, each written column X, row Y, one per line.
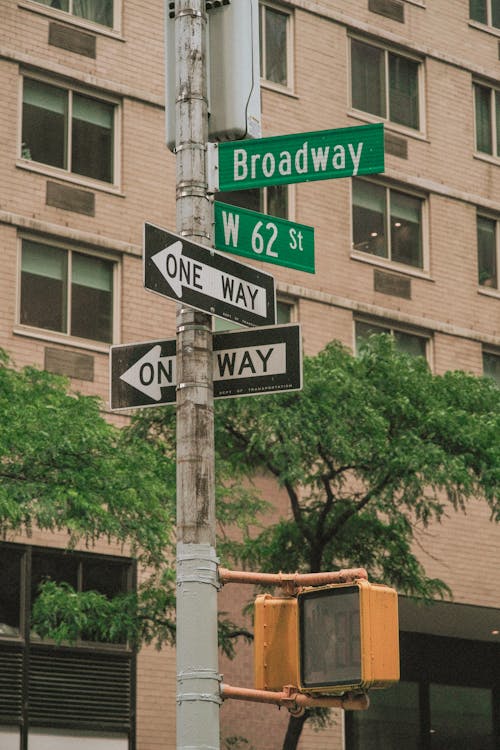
column 198, row 689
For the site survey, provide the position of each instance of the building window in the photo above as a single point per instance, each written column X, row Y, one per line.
column 78, row 695
column 385, row 84
column 485, row 11
column 387, row 223
column 274, row 44
column 66, row 291
column 68, row 130
column 440, row 703
column 96, row 11
column 491, row 366
column 487, row 252
column 487, row 116
column 271, row 200
column 285, row 313
column 410, row 343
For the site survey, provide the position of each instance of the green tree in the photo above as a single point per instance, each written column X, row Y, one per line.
column 370, row 452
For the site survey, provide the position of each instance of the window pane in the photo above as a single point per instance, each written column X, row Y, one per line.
column 54, row 566
column 276, row 52
column 461, row 718
column 104, row 576
column 368, row 78
column 486, row 252
column 92, row 298
column 249, row 199
column 497, row 121
column 44, row 123
column 477, row 10
column 403, row 91
column 410, row 344
column 59, row 4
column 491, row 366
column 482, row 100
column 92, row 144
column 392, row 721
column 365, row 330
column 406, row 236
column 277, row 201
column 10, row 591
column 368, row 218
column 100, row 11
column 283, row 312
column 495, row 13
column 44, row 286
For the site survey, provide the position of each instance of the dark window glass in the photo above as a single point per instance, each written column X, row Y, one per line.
column 10, row 591
column 406, row 236
column 392, row 721
column 461, row 718
column 107, row 577
column 409, row 343
column 54, row 566
column 477, row 10
column 277, row 201
column 249, row 199
column 92, row 138
column 368, row 78
column 91, row 298
column 484, row 141
column 283, row 312
column 273, row 200
column 495, row 13
column 275, row 54
column 44, row 286
column 486, row 252
column 44, row 123
column 403, row 91
column 369, row 218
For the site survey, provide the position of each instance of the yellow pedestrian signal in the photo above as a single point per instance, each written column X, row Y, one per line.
column 329, row 639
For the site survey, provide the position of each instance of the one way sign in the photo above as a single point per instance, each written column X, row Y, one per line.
column 245, row 362
column 209, row 281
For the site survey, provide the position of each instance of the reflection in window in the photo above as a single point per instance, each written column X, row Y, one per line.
column 375, row 209
column 491, row 366
column 392, row 721
column 485, row 11
column 461, row 718
column 487, row 117
column 273, row 45
column 409, row 343
column 272, row 200
column 67, row 130
column 66, row 291
column 487, row 252
column 98, row 11
column 384, row 84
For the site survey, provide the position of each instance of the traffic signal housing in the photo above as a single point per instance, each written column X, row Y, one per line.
column 328, row 639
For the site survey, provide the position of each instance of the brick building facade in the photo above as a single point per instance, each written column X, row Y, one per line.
column 414, row 251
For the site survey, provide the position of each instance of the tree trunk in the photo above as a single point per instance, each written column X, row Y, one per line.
column 294, row 730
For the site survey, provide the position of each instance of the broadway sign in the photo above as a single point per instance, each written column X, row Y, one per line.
column 301, row 157
column 245, row 363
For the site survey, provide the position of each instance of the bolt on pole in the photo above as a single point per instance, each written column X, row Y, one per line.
column 198, row 680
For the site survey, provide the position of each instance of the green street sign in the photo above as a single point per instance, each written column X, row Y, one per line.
column 263, row 237
column 301, row 157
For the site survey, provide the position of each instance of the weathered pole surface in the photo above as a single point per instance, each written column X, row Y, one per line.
column 198, row 689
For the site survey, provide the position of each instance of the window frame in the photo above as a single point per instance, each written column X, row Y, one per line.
column 61, row 336
column 486, row 352
column 488, row 25
column 484, row 288
column 66, row 174
column 388, row 262
column 387, row 49
column 493, row 125
column 389, row 328
column 290, row 67
column 68, row 17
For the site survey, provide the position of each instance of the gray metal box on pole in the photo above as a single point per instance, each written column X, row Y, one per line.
column 234, row 72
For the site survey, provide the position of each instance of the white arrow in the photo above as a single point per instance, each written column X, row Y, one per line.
column 182, row 272
column 151, row 373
